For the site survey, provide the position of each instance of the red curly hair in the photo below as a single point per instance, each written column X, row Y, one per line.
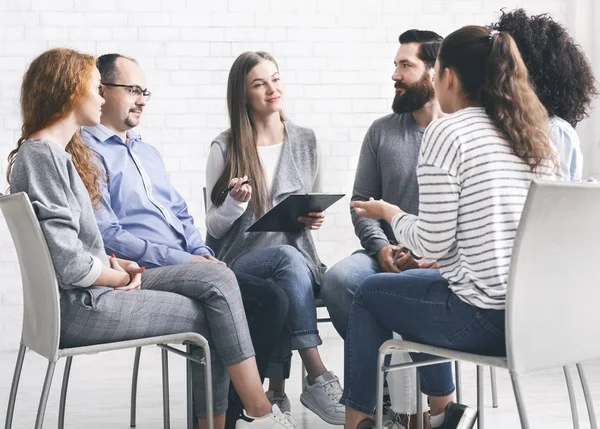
column 52, row 87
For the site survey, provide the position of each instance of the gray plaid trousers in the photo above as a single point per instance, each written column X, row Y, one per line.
column 201, row 297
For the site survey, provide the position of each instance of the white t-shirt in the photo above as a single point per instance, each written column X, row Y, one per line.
column 220, row 219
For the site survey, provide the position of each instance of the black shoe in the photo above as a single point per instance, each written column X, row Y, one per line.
column 366, row 424
column 459, row 416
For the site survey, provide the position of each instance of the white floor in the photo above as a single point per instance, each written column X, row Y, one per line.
column 100, row 388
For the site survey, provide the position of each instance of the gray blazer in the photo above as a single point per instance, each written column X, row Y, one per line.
column 295, row 174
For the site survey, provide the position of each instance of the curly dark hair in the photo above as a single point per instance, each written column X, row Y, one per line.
column 560, row 72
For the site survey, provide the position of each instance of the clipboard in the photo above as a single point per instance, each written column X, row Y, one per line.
column 284, row 216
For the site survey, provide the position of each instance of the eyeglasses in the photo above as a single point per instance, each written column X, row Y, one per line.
column 134, row 90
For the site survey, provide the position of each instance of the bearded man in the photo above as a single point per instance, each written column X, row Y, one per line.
column 387, row 170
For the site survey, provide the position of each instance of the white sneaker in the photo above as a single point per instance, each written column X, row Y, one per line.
column 323, row 398
column 280, row 399
column 275, row 420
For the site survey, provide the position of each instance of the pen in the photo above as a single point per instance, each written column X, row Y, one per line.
column 231, row 187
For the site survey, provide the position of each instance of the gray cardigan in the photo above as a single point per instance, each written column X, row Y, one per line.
column 62, row 206
column 295, row 174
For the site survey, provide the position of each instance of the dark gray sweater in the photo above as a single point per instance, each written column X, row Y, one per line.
column 387, row 169
column 62, row 205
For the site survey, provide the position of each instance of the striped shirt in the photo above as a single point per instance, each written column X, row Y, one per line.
column 472, row 189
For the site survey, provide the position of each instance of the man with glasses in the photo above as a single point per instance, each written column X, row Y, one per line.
column 144, row 219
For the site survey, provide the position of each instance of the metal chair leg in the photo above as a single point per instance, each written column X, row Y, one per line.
column 208, row 387
column 494, row 387
column 190, row 401
column 419, row 401
column 134, row 383
column 380, row 377
column 457, row 376
column 480, row 398
column 572, row 398
column 39, row 420
column 520, row 403
column 165, row 385
column 14, row 387
column 588, row 397
column 303, row 382
column 63, row 393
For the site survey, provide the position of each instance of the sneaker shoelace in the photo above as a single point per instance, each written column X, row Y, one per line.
column 333, row 389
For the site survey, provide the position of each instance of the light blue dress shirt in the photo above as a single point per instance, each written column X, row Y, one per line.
column 141, row 216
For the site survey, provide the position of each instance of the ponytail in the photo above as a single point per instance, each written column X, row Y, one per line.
column 492, row 73
column 512, row 103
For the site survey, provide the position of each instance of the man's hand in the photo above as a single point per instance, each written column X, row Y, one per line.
column 385, row 259
column 207, row 258
column 427, row 264
column 406, row 261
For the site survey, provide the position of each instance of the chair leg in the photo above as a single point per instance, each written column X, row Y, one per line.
column 480, row 398
column 494, row 387
column 14, row 387
column 165, row 385
column 520, row 403
column 419, row 402
column 134, row 383
column 190, row 401
column 303, row 381
column 458, row 377
column 572, row 398
column 39, row 420
column 208, row 387
column 380, row 377
column 63, row 393
column 588, row 397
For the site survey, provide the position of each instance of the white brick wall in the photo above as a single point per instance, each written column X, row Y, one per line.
column 335, row 58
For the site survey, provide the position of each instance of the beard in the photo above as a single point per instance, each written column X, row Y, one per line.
column 415, row 95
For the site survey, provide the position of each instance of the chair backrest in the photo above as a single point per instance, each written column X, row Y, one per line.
column 553, row 299
column 41, row 306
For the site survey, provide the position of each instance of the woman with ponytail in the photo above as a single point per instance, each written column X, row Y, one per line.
column 474, row 172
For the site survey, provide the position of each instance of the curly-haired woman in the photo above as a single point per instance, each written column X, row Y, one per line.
column 561, row 75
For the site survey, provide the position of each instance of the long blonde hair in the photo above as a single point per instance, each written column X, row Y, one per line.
column 242, row 155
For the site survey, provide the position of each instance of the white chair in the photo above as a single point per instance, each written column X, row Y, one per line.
column 552, row 299
column 41, row 317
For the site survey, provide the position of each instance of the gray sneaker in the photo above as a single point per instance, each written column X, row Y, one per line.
column 323, row 398
column 280, row 399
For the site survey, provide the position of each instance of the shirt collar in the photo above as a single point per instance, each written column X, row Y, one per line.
column 103, row 134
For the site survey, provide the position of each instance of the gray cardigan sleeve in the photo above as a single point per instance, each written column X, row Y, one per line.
column 45, row 179
column 367, row 183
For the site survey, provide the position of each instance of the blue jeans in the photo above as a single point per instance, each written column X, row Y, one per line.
column 339, row 284
column 287, row 268
column 419, row 305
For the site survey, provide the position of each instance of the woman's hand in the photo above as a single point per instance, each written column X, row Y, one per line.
column 375, row 209
column 240, row 192
column 132, row 270
column 314, row 220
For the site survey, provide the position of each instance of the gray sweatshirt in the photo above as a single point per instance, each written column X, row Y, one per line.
column 62, row 205
column 387, row 169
